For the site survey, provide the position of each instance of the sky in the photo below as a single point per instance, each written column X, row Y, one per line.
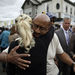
column 14, row 6
column 72, row 0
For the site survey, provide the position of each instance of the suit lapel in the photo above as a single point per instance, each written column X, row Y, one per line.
column 63, row 36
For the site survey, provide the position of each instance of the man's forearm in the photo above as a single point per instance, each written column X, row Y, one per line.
column 66, row 58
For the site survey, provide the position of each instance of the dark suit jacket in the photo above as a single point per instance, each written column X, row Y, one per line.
column 72, row 50
column 62, row 39
column 64, row 68
column 72, row 44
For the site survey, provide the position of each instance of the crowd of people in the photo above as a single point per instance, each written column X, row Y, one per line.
column 38, row 46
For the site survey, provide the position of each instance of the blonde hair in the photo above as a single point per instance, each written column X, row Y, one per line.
column 24, row 30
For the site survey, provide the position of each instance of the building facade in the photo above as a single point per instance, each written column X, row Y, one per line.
column 60, row 8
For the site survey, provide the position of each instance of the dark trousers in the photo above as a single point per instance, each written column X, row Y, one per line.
column 72, row 72
column 65, row 70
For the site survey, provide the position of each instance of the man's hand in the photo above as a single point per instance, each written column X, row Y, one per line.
column 15, row 58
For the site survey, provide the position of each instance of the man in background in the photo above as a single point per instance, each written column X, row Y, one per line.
column 64, row 37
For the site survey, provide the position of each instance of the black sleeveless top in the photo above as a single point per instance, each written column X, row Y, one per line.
column 38, row 57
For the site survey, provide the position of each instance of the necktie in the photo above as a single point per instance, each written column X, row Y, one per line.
column 67, row 37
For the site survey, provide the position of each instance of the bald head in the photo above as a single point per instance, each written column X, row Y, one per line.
column 41, row 24
column 42, row 19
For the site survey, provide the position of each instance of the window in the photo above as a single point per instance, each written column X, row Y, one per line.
column 30, row 13
column 66, row 9
column 70, row 10
column 47, row 8
column 57, row 6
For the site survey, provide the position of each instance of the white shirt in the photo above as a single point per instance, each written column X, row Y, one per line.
column 53, row 49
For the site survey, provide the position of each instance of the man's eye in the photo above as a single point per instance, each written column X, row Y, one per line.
column 42, row 28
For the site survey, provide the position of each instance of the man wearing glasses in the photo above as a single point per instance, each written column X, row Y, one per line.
column 43, row 28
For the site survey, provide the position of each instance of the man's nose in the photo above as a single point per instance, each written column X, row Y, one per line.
column 38, row 30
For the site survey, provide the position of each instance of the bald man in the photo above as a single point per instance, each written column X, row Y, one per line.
column 47, row 45
column 41, row 25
